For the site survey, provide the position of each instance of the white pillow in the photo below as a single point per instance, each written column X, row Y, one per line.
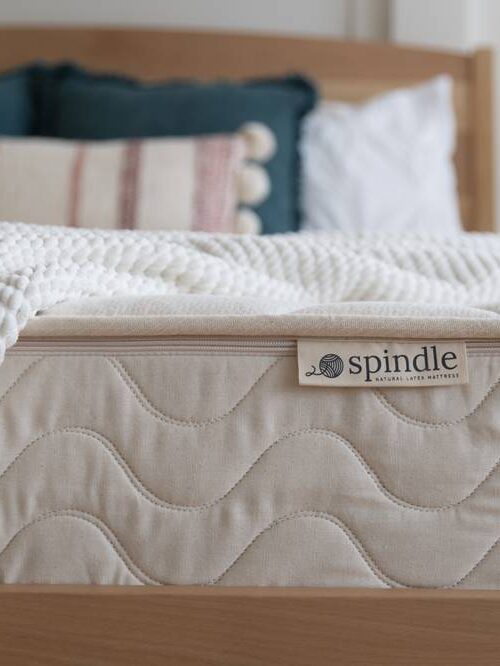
column 385, row 165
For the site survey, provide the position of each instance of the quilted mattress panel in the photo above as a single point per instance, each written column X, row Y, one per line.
column 209, row 464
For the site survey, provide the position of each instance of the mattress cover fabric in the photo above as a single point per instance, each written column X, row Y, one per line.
column 174, row 444
column 208, row 464
column 223, row 316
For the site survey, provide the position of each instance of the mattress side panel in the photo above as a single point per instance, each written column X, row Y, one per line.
column 162, row 468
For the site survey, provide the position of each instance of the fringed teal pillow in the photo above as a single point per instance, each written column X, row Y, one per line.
column 16, row 103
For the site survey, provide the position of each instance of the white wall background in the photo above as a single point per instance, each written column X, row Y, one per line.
column 452, row 24
column 340, row 18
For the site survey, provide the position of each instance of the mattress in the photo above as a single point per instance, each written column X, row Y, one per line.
column 150, row 445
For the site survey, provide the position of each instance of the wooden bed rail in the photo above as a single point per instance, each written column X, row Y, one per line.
column 146, row 626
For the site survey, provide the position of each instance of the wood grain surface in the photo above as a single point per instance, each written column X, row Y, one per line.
column 146, row 626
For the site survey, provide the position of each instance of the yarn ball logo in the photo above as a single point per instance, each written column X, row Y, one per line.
column 330, row 366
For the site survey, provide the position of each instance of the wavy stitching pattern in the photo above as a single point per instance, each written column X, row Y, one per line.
column 135, row 481
column 401, row 416
column 475, row 566
column 361, row 550
column 358, row 546
column 98, row 524
column 318, row 515
column 156, row 413
column 145, row 578
column 142, row 576
column 149, row 496
column 21, row 375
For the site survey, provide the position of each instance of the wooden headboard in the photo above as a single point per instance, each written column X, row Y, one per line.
column 350, row 71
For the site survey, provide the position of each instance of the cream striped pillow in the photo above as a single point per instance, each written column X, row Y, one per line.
column 200, row 183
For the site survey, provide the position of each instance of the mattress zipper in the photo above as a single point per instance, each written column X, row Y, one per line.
column 236, row 346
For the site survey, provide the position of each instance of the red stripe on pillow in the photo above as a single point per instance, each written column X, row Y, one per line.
column 75, row 180
column 215, row 192
column 129, row 186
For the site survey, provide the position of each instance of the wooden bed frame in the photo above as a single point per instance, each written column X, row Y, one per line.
column 81, row 625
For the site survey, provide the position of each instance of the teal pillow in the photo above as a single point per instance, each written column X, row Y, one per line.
column 79, row 105
column 16, row 103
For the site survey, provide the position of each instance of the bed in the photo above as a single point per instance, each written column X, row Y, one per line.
column 243, row 625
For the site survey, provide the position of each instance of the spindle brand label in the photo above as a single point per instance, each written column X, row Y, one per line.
column 381, row 363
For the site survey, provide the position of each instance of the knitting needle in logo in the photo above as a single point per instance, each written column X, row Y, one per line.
column 330, row 366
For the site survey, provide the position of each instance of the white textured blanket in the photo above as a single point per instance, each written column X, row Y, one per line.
column 43, row 266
